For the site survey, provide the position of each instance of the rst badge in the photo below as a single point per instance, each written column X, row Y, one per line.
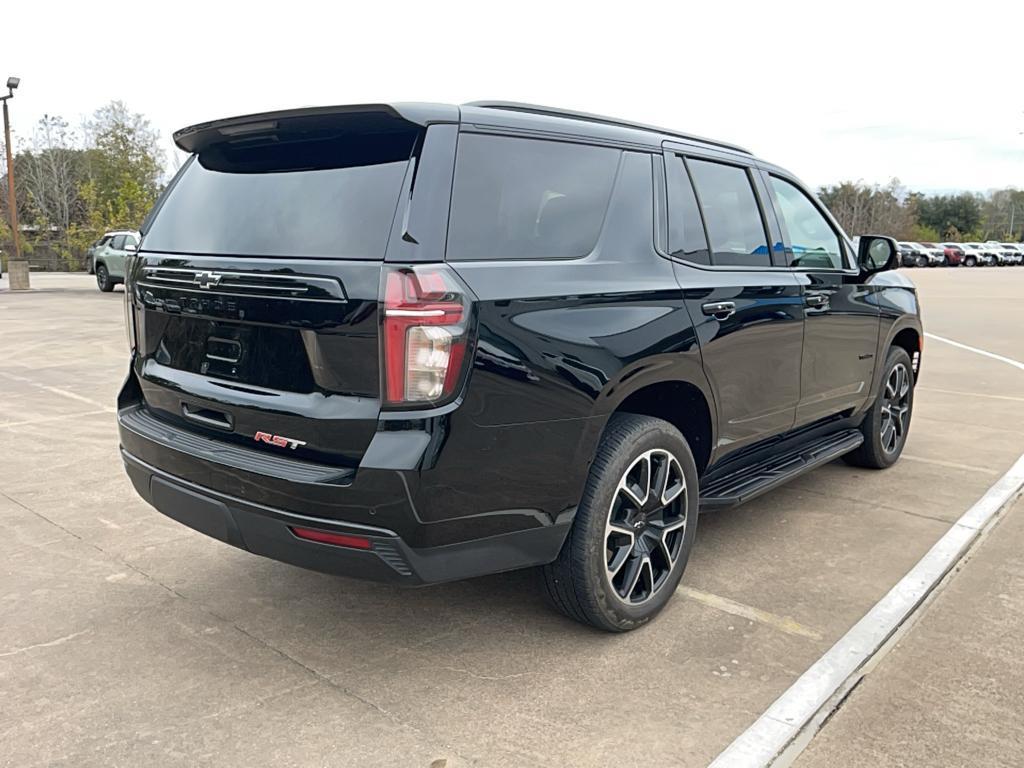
column 279, row 440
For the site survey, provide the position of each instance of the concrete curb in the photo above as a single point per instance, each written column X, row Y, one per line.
column 778, row 736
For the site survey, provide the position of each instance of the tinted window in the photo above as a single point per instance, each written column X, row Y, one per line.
column 528, row 199
column 686, row 239
column 117, row 243
column 333, row 197
column 811, row 239
column 731, row 214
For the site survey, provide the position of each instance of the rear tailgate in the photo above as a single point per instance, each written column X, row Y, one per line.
column 257, row 282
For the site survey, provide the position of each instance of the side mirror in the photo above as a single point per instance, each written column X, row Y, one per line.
column 876, row 253
column 130, row 248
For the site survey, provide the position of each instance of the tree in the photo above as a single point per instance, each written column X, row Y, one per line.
column 52, row 173
column 1002, row 215
column 863, row 209
column 951, row 215
column 124, row 167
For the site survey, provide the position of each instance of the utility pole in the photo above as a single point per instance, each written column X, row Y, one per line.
column 16, row 267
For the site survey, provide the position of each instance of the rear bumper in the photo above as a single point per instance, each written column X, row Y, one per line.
column 266, row 531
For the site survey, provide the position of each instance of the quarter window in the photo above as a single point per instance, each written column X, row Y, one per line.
column 528, row 199
column 686, row 238
column 812, row 243
column 731, row 213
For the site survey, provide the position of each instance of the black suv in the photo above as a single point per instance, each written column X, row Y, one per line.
column 417, row 343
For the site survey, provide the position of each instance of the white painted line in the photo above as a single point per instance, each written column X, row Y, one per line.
column 724, row 604
column 790, row 722
column 949, row 464
column 982, row 352
column 969, row 394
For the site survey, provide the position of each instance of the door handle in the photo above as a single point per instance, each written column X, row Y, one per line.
column 815, row 299
column 207, row 417
column 720, row 310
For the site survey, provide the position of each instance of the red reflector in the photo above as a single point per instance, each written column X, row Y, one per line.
column 337, row 539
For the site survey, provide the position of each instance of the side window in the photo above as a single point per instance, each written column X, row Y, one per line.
column 105, row 240
column 117, row 243
column 130, row 240
column 812, row 243
column 731, row 213
column 528, row 199
column 686, row 238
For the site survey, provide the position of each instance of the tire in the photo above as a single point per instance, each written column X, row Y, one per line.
column 887, row 423
column 653, row 545
column 970, row 261
column 89, row 266
column 103, row 281
column 945, row 261
column 922, row 261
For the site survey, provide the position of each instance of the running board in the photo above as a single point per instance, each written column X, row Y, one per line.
column 744, row 484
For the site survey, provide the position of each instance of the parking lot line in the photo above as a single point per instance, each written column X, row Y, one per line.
column 724, row 604
column 56, row 417
column 57, row 391
column 950, row 464
column 970, row 394
column 984, row 353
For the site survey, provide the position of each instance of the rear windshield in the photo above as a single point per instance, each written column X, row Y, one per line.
column 519, row 198
column 332, row 197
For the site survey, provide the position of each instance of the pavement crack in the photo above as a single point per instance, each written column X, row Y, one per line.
column 476, row 676
column 48, row 644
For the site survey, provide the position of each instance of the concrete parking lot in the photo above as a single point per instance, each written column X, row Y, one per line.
column 127, row 639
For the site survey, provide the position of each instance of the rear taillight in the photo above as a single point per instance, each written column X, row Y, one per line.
column 425, row 334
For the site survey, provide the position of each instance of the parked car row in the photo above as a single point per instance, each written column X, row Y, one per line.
column 987, row 254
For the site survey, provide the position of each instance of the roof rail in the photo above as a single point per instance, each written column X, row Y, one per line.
column 536, row 109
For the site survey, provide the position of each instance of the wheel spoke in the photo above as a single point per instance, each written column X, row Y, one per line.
column 631, row 577
column 888, row 435
column 619, row 559
column 632, row 487
column 646, row 568
column 617, row 526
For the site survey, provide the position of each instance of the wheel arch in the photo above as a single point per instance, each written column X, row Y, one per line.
column 682, row 404
column 665, row 387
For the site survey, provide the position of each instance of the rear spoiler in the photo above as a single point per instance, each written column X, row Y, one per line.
column 377, row 118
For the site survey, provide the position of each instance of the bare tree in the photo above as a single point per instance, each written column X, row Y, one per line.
column 53, row 174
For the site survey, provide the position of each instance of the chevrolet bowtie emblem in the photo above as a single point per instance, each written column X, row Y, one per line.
column 207, row 279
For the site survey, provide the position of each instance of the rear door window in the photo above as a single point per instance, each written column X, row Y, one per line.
column 686, row 238
column 117, row 243
column 517, row 198
column 731, row 213
column 331, row 197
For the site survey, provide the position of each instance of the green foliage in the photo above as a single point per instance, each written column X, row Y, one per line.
column 925, row 234
column 948, row 214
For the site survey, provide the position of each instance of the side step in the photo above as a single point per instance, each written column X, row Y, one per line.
column 744, row 484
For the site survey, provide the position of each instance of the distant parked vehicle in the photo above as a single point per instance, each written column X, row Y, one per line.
column 92, row 250
column 1018, row 250
column 974, row 256
column 109, row 258
column 952, row 253
column 994, row 254
column 912, row 254
column 920, row 255
column 1008, row 254
column 935, row 253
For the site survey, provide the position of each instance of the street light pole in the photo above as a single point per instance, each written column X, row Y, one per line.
column 16, row 267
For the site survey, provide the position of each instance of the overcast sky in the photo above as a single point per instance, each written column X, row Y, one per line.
column 927, row 92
